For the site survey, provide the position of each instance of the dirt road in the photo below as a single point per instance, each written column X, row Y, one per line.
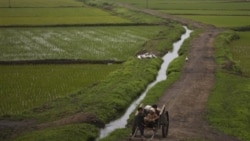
column 186, row 99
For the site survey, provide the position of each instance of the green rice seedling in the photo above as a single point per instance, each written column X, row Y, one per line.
column 39, row 3
column 88, row 43
column 57, row 16
column 109, row 97
column 25, row 87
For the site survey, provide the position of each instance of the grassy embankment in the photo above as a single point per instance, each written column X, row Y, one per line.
column 228, row 107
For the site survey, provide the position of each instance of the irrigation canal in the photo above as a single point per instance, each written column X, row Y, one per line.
column 169, row 57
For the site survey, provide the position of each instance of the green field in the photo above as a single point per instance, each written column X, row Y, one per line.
column 40, row 3
column 43, row 83
column 89, row 43
column 57, row 16
column 222, row 13
column 231, row 94
column 23, row 87
column 56, row 12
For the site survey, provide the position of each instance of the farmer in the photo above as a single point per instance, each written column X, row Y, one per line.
column 139, row 120
column 147, row 109
column 157, row 110
column 150, row 118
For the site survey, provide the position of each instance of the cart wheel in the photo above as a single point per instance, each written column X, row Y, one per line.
column 165, row 126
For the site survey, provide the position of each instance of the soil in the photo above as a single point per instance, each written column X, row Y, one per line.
column 185, row 100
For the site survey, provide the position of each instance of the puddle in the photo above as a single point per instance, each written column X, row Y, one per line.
column 170, row 56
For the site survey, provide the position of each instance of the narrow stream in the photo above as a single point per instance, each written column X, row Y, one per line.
column 170, row 56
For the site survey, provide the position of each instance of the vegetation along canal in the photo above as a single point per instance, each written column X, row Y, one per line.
column 170, row 56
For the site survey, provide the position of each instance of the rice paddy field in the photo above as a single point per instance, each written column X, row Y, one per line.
column 53, row 13
column 40, row 3
column 88, row 43
column 56, row 16
column 221, row 13
column 29, row 32
column 24, row 87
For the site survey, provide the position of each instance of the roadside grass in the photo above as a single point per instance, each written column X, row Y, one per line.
column 24, row 87
column 73, row 132
column 88, row 43
column 228, row 105
column 240, row 49
column 119, row 134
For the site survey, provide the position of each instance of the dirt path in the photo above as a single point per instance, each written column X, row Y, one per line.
column 186, row 99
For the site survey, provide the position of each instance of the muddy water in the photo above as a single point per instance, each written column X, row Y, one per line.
column 170, row 56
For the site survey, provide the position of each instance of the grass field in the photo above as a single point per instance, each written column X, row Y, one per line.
column 29, row 86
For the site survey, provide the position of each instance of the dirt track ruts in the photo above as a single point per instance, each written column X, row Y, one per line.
column 186, row 99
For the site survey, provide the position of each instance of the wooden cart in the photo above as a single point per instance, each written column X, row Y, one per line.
column 162, row 125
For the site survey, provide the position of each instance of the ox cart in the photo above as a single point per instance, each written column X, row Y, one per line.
column 161, row 124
